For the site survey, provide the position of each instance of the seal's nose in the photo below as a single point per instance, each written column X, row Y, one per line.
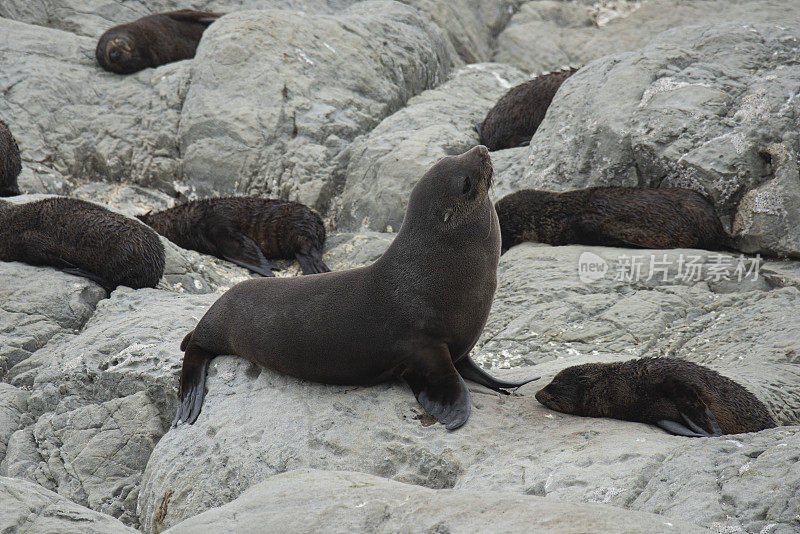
column 482, row 150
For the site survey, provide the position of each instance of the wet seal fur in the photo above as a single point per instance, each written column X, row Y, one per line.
column 152, row 40
column 517, row 115
column 414, row 314
column 10, row 163
column 82, row 239
column 246, row 230
column 613, row 217
column 681, row 397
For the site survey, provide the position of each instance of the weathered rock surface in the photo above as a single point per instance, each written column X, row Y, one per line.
column 69, row 115
column 13, row 405
column 546, row 35
column 335, row 78
column 385, row 164
column 30, row 508
column 698, row 107
column 341, row 501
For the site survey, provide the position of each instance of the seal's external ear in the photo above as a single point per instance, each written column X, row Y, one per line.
column 438, row 387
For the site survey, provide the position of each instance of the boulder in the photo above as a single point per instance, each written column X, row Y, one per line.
column 547, row 35
column 385, row 164
column 31, row 508
column 87, row 124
column 321, row 81
column 93, row 455
column 699, row 107
column 341, row 501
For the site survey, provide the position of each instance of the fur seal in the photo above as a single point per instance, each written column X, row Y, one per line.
column 83, row 239
column 152, row 40
column 414, row 314
column 10, row 164
column 612, row 216
column 516, row 116
column 246, row 230
column 681, row 397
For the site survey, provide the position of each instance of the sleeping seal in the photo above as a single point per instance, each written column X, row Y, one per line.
column 152, row 40
column 414, row 314
column 681, row 397
column 612, row 217
column 10, row 163
column 246, row 230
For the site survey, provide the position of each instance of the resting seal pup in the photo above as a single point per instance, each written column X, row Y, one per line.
column 612, row 217
column 413, row 314
column 247, row 231
column 681, row 397
column 517, row 115
column 10, row 164
column 83, row 239
column 152, row 40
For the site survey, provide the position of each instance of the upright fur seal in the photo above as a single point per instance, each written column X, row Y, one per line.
column 10, row 164
column 612, row 216
column 152, row 40
column 81, row 239
column 679, row 396
column 413, row 314
column 246, row 231
column 517, row 115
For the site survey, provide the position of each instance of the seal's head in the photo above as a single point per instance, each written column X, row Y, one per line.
column 450, row 191
column 581, row 390
column 117, row 52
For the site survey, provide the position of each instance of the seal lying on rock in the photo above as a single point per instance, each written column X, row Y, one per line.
column 246, row 231
column 517, row 115
column 613, row 217
column 679, row 396
column 81, row 239
column 152, row 40
column 413, row 314
column 10, row 164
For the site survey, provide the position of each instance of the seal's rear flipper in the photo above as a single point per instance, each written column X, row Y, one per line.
column 470, row 371
column 193, row 384
column 243, row 251
column 439, row 388
column 311, row 261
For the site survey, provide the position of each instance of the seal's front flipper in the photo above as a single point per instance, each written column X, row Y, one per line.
column 311, row 261
column 692, row 409
column 439, row 388
column 189, row 15
column 470, row 371
column 193, row 383
column 77, row 271
column 678, row 429
column 243, row 251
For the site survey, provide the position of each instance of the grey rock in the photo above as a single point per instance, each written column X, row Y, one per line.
column 93, row 455
column 547, row 35
column 36, row 178
column 30, row 508
column 326, row 80
column 698, row 107
column 351, row 502
column 256, row 423
column 83, row 123
column 13, row 404
column 385, row 164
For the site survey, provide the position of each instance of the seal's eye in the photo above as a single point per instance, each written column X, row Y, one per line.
column 466, row 186
column 113, row 55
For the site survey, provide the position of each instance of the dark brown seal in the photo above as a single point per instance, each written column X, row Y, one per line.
column 414, row 314
column 246, row 230
column 152, row 40
column 679, row 396
column 81, row 239
column 10, row 164
column 612, row 216
column 517, row 115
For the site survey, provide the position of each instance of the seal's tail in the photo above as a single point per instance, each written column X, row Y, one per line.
column 311, row 261
column 193, row 381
